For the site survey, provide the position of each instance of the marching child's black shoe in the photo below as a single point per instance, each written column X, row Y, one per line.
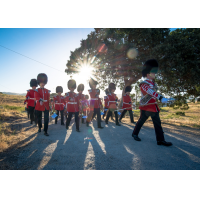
column 45, row 133
column 164, row 143
column 136, row 137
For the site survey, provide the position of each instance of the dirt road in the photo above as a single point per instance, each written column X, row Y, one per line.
column 111, row 148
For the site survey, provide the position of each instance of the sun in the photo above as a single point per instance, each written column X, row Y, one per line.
column 86, row 72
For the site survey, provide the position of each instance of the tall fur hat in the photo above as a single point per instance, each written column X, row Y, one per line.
column 92, row 82
column 80, row 87
column 107, row 91
column 71, row 84
column 128, row 89
column 86, row 96
column 150, row 66
column 59, row 89
column 111, row 87
column 33, row 83
column 42, row 78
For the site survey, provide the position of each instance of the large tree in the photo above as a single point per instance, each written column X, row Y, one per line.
column 117, row 55
column 179, row 60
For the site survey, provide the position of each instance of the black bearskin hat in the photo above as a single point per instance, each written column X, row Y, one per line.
column 33, row 83
column 42, row 78
column 71, row 84
column 128, row 89
column 59, row 89
column 92, row 82
column 86, row 96
column 80, row 87
column 150, row 66
column 111, row 87
column 107, row 91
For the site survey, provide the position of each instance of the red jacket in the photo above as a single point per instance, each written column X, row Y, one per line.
column 112, row 103
column 149, row 96
column 94, row 99
column 105, row 101
column 127, row 102
column 71, row 100
column 59, row 102
column 30, row 96
column 42, row 95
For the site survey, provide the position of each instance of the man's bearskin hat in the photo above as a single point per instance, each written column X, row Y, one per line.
column 42, row 78
column 86, row 96
column 59, row 89
column 111, row 87
column 80, row 87
column 128, row 89
column 71, row 84
column 33, row 83
column 92, row 82
column 107, row 91
column 150, row 66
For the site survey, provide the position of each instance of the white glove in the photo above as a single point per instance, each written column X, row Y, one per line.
column 164, row 100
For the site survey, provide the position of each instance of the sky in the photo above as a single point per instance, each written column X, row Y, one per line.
column 49, row 46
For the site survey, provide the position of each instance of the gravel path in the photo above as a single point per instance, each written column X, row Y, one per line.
column 106, row 149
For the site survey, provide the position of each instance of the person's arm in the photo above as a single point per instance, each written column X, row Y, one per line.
column 145, row 88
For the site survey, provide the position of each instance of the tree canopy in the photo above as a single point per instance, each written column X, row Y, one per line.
column 117, row 55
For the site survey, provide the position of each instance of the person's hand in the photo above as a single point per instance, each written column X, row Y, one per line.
column 164, row 100
column 25, row 103
column 28, row 97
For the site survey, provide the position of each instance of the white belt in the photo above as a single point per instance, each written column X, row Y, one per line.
column 126, row 103
column 32, row 98
column 72, row 103
column 94, row 99
column 112, row 101
column 42, row 100
column 58, row 103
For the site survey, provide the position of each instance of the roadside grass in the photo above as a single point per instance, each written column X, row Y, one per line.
column 12, row 109
column 168, row 115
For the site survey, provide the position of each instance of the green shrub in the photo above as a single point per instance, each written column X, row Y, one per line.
column 180, row 113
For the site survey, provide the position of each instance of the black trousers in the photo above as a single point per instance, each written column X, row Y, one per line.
column 62, row 116
column 109, row 114
column 105, row 111
column 36, row 120
column 32, row 113
column 92, row 114
column 76, row 119
column 130, row 113
column 46, row 119
column 144, row 115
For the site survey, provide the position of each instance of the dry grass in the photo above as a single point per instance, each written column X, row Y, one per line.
column 11, row 115
column 168, row 116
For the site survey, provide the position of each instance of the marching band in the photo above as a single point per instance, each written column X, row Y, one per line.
column 38, row 101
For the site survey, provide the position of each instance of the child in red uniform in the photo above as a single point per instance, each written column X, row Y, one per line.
column 59, row 104
column 81, row 98
column 85, row 105
column 127, row 104
column 42, row 102
column 149, row 96
column 94, row 103
column 72, row 104
column 112, row 104
column 30, row 96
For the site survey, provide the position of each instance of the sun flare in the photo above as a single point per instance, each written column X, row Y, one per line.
column 86, row 71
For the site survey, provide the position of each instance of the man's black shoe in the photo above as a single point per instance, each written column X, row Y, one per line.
column 133, row 122
column 45, row 133
column 164, row 143
column 55, row 122
column 136, row 137
column 31, row 122
column 39, row 130
column 106, row 122
column 100, row 127
column 67, row 127
column 120, row 121
column 78, row 130
column 62, row 124
column 118, row 124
